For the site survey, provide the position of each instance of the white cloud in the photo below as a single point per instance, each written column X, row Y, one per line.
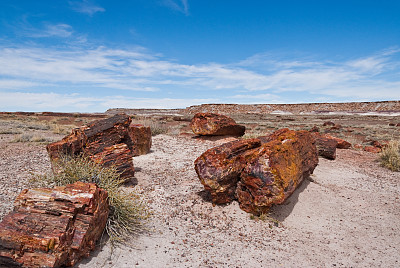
column 86, row 7
column 178, row 5
column 18, row 101
column 259, row 79
column 61, row 30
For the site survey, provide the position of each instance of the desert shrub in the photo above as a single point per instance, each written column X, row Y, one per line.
column 128, row 210
column 390, row 156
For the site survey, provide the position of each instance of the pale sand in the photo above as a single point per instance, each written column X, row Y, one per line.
column 348, row 217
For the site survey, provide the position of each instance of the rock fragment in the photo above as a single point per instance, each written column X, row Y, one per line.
column 53, row 227
column 215, row 125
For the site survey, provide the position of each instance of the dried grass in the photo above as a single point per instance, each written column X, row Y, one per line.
column 128, row 210
column 390, row 156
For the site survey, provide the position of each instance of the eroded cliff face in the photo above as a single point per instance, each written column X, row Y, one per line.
column 355, row 107
column 351, row 107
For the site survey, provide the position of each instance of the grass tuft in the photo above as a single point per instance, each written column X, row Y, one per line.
column 128, row 210
column 390, row 156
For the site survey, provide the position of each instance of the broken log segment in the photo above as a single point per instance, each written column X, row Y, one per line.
column 53, row 227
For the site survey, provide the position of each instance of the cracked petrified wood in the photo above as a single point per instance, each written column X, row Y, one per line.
column 274, row 170
column 140, row 136
column 326, row 146
column 258, row 172
column 219, row 168
column 53, row 227
column 215, row 125
column 98, row 140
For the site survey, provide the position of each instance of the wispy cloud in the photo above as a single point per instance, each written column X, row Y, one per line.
column 51, row 30
column 24, row 101
column 262, row 79
column 178, row 5
column 86, row 6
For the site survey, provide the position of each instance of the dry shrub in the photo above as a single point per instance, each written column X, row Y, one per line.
column 390, row 156
column 128, row 210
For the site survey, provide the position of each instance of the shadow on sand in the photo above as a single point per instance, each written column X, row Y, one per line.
column 278, row 212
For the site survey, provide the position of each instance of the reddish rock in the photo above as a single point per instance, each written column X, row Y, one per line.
column 140, row 139
column 107, row 141
column 105, row 133
column 216, row 125
column 274, row 170
column 341, row 144
column 328, row 123
column 258, row 172
column 358, row 147
column 377, row 144
column 314, row 129
column 372, row 149
column 326, row 146
column 53, row 227
column 219, row 168
column 335, row 127
column 118, row 155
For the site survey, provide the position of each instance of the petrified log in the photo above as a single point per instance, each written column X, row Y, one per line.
column 215, row 125
column 258, row 172
column 140, row 139
column 274, row 170
column 326, row 146
column 92, row 138
column 53, row 227
column 219, row 168
column 108, row 141
column 341, row 144
column 118, row 155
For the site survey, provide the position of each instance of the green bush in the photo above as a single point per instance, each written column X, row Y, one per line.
column 390, row 156
column 128, row 210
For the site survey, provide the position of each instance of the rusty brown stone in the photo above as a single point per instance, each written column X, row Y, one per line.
column 215, row 125
column 328, row 123
column 53, row 227
column 326, row 146
column 258, row 172
column 372, row 149
column 274, row 170
column 107, row 141
column 140, row 139
column 219, row 168
column 341, row 144
column 118, row 155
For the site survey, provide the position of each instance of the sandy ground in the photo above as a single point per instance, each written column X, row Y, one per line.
column 346, row 215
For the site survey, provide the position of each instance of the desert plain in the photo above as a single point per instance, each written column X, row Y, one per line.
column 346, row 214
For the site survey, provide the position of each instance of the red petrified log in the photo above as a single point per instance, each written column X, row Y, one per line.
column 53, row 227
column 219, row 168
column 118, row 155
column 274, row 170
column 140, row 139
column 215, row 125
column 98, row 140
column 258, row 172
column 341, row 144
column 326, row 146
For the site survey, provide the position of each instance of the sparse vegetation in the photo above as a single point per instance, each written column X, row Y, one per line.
column 26, row 137
column 390, row 156
column 128, row 210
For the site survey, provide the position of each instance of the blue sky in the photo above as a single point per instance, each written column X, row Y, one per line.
column 91, row 55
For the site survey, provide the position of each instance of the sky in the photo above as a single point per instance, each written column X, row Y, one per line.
column 91, row 55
